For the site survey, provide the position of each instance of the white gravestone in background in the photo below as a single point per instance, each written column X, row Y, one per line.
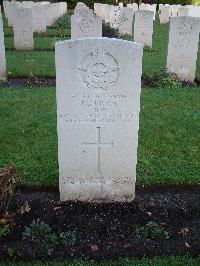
column 125, row 21
column 183, row 11
column 183, row 47
column 143, row 27
column 98, row 84
column 107, row 13
column 23, row 29
column 144, row 6
column 86, row 24
column 97, row 9
column 5, row 4
column 114, row 13
column 153, row 8
column 2, row 52
column 194, row 11
column 40, row 13
column 102, row 11
column 173, row 10
column 81, row 5
column 135, row 7
column 11, row 7
column 164, row 14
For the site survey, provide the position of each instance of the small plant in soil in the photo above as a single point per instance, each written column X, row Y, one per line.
column 162, row 80
column 44, row 240
column 169, row 81
column 68, row 238
column 11, row 252
column 40, row 234
column 4, row 230
column 151, row 231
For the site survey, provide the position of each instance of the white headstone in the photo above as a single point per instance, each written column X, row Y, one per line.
column 125, row 21
column 121, row 5
column 103, row 11
column 183, row 11
column 114, row 14
column 5, row 4
column 183, row 47
column 143, row 27
column 107, row 10
column 144, row 6
column 173, row 10
column 153, row 8
column 98, row 102
column 23, row 29
column 81, row 9
column 27, row 4
column 11, row 8
column 53, row 12
column 2, row 52
column 133, row 6
column 164, row 15
column 85, row 24
column 40, row 13
column 160, row 6
column 194, row 11
column 81, row 5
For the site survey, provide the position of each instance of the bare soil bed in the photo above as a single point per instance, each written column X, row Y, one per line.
column 108, row 231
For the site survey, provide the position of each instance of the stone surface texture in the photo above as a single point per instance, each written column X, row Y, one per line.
column 183, row 47
column 98, row 103
column 23, row 29
column 143, row 27
column 2, row 53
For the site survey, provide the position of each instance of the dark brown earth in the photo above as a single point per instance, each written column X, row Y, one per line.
column 51, row 82
column 107, row 231
column 28, row 82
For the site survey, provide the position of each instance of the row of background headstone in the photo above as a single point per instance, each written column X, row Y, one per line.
column 165, row 11
column 27, row 17
column 84, row 23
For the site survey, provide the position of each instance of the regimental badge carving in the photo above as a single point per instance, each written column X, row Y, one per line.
column 99, row 70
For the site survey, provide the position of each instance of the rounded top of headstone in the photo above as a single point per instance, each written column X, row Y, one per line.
column 81, row 5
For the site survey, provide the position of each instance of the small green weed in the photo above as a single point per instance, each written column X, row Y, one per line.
column 168, row 81
column 162, row 80
column 11, row 252
column 41, row 235
column 151, row 231
column 4, row 230
column 68, row 238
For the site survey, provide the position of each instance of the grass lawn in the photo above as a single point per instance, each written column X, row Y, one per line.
column 23, row 64
column 171, row 261
column 45, row 43
column 169, row 143
column 153, row 60
column 168, row 138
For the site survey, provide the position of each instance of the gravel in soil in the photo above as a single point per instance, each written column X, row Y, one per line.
column 108, row 230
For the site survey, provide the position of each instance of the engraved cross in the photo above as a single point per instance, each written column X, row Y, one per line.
column 182, row 57
column 98, row 144
column 143, row 35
